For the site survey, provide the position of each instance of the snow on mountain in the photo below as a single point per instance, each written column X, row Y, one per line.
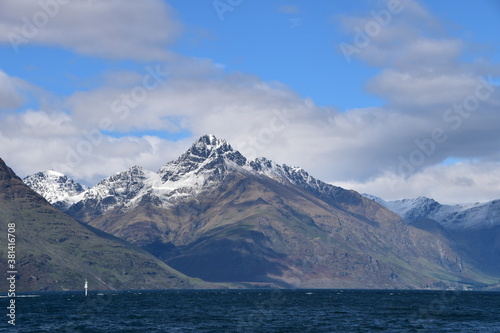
column 294, row 175
column 299, row 177
column 119, row 189
column 453, row 217
column 472, row 215
column 375, row 198
column 58, row 189
column 203, row 165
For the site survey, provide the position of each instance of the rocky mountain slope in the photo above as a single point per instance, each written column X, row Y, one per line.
column 55, row 252
column 215, row 215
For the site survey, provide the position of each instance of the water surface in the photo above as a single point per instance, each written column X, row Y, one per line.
column 260, row 311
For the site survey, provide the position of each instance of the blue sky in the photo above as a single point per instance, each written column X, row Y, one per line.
column 100, row 86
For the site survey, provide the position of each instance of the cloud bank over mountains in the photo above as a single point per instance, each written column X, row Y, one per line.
column 435, row 135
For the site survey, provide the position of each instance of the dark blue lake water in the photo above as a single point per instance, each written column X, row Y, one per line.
column 257, row 311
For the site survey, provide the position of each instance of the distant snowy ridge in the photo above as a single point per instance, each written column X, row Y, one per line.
column 452, row 217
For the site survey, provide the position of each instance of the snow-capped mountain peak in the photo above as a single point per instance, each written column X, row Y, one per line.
column 55, row 187
column 125, row 184
column 119, row 189
column 209, row 144
column 207, row 155
column 205, row 163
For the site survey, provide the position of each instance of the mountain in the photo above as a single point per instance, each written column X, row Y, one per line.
column 56, row 188
column 475, row 227
column 55, row 252
column 452, row 217
column 214, row 215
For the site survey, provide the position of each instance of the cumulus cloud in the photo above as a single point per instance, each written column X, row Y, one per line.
column 115, row 29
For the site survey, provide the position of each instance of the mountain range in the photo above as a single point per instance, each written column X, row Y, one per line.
column 214, row 215
column 452, row 217
column 474, row 228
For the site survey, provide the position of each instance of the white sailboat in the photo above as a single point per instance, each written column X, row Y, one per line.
column 86, row 287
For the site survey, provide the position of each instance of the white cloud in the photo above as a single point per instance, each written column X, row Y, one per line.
column 464, row 182
column 405, row 39
column 117, row 29
column 39, row 124
column 424, row 89
column 424, row 77
column 38, row 140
